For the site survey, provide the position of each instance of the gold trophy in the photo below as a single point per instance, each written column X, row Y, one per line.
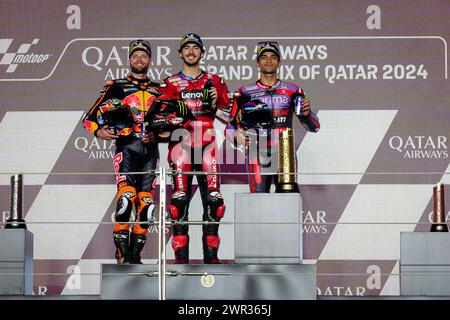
column 439, row 209
column 287, row 179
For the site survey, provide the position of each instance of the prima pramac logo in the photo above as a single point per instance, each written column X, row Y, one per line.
column 22, row 56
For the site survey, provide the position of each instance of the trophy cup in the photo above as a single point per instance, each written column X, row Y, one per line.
column 439, row 209
column 287, row 179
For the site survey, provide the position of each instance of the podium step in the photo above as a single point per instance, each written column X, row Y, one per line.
column 268, row 228
column 16, row 262
column 425, row 263
column 210, row 282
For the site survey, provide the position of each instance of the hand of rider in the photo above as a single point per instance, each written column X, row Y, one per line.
column 306, row 107
column 106, row 133
column 214, row 97
column 148, row 137
column 242, row 138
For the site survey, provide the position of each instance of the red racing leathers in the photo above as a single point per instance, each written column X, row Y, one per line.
column 194, row 149
column 131, row 155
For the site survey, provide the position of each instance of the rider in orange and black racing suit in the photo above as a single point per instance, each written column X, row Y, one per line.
column 136, row 150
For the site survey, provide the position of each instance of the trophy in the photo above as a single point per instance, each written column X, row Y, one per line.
column 439, row 209
column 287, row 179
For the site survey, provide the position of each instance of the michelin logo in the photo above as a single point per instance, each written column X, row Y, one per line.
column 13, row 59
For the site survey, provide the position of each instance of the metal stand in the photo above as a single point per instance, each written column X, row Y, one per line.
column 16, row 262
column 16, row 204
column 16, row 247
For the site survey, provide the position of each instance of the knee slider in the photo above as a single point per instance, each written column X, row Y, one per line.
column 212, row 241
column 125, row 200
column 146, row 206
column 179, row 241
column 216, row 207
column 178, row 206
column 173, row 211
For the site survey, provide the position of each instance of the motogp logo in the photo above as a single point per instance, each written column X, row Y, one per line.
column 13, row 59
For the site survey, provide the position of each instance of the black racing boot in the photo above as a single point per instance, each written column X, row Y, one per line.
column 182, row 255
column 180, row 245
column 210, row 249
column 137, row 243
column 121, row 239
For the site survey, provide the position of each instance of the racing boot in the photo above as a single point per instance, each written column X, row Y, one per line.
column 137, row 243
column 180, row 245
column 210, row 248
column 121, row 239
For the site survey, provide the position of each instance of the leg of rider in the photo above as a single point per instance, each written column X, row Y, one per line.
column 180, row 160
column 147, row 184
column 140, row 229
column 214, row 209
column 266, row 167
column 258, row 182
column 273, row 166
column 251, row 162
column 125, row 198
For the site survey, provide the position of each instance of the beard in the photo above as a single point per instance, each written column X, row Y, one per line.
column 269, row 70
column 141, row 70
column 191, row 63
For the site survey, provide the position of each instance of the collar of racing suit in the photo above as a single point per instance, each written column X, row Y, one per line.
column 266, row 87
column 181, row 74
column 134, row 80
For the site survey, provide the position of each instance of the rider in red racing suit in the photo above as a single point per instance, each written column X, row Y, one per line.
column 202, row 93
column 135, row 151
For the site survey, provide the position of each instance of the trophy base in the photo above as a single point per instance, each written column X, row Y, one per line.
column 439, row 227
column 287, row 188
column 15, row 224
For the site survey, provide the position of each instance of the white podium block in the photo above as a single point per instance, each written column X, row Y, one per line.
column 425, row 263
column 268, row 228
column 16, row 262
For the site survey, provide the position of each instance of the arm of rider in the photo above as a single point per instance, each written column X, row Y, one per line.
column 309, row 119
column 106, row 133
column 306, row 107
